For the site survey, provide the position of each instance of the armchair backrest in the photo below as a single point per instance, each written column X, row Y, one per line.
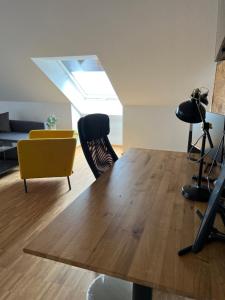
column 93, row 130
column 51, row 134
column 46, row 157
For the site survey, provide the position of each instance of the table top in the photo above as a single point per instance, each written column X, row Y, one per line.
column 131, row 222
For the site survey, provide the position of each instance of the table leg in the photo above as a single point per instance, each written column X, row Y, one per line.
column 141, row 292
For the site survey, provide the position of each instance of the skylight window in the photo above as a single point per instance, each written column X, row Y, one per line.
column 83, row 81
column 95, row 84
column 91, row 79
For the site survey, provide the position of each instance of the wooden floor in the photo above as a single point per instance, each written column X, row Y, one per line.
column 22, row 217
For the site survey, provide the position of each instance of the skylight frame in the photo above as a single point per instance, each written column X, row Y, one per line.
column 54, row 69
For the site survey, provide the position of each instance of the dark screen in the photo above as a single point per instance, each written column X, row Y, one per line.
column 216, row 133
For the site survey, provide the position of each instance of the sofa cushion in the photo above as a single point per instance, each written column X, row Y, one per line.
column 13, row 136
column 25, row 126
column 4, row 122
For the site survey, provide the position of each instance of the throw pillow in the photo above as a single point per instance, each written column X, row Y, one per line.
column 4, row 122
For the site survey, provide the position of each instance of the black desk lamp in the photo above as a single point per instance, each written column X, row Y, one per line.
column 192, row 111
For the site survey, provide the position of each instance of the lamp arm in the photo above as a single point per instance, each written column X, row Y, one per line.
column 199, row 110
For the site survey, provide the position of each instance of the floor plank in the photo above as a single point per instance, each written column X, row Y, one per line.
column 22, row 217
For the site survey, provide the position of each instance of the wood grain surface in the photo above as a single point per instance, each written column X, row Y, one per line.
column 218, row 103
column 131, row 222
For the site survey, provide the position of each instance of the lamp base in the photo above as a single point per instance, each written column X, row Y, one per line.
column 196, row 193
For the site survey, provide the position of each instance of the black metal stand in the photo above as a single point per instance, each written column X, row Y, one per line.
column 214, row 235
column 141, row 292
column 213, row 163
column 25, row 185
column 199, row 192
column 69, row 184
column 196, row 193
column 204, row 179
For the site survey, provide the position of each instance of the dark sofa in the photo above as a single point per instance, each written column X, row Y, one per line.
column 20, row 130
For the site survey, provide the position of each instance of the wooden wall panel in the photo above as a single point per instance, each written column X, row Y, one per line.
column 220, row 28
column 218, row 103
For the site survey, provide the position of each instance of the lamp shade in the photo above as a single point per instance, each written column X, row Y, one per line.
column 188, row 111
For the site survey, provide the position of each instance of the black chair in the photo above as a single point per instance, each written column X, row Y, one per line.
column 93, row 130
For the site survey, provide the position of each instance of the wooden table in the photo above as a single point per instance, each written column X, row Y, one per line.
column 131, row 223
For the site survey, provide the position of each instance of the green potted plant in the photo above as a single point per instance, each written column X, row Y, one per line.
column 51, row 122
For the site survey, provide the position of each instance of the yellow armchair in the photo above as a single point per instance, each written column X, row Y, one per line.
column 47, row 153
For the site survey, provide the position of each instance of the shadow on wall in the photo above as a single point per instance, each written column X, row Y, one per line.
column 154, row 127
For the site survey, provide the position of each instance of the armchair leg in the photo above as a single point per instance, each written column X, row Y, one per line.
column 68, row 179
column 25, row 185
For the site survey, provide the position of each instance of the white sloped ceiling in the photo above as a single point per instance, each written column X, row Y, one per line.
column 152, row 50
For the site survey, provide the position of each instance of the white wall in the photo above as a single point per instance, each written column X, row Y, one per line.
column 154, row 127
column 75, row 117
column 38, row 111
column 116, row 130
column 66, row 115
column 155, row 52
column 116, row 127
column 181, row 53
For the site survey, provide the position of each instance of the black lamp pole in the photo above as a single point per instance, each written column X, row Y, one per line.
column 206, row 127
column 192, row 111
